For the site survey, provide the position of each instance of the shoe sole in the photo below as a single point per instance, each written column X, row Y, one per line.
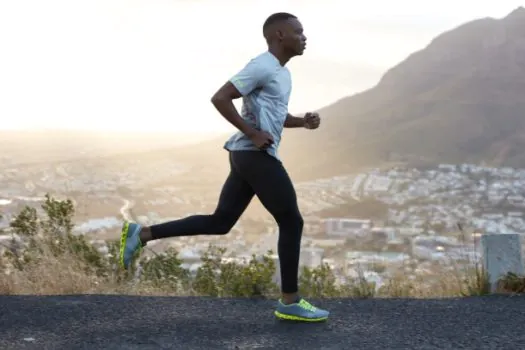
column 123, row 238
column 286, row 317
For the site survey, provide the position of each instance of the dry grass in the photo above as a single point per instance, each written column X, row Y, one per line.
column 54, row 276
column 65, row 274
column 66, row 264
column 50, row 276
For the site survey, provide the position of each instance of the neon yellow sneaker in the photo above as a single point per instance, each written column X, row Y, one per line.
column 129, row 243
column 301, row 311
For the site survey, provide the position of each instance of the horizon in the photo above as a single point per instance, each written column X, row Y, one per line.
column 112, row 62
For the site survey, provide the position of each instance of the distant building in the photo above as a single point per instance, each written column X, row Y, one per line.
column 434, row 248
column 376, row 183
column 347, row 227
column 327, row 243
column 366, row 260
column 311, row 257
column 190, row 255
column 380, row 233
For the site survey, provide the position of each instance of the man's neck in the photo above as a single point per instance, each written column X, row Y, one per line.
column 279, row 54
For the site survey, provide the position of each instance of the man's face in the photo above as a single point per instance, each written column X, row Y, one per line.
column 293, row 38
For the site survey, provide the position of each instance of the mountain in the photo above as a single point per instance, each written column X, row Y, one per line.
column 459, row 99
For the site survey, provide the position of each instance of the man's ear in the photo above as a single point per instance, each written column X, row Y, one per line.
column 280, row 34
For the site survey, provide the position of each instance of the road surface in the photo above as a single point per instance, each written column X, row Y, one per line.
column 126, row 322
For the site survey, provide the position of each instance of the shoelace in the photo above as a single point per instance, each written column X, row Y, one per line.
column 306, row 305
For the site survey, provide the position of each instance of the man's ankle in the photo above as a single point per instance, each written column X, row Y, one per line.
column 290, row 298
column 145, row 235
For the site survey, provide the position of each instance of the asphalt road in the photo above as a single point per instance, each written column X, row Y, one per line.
column 126, row 322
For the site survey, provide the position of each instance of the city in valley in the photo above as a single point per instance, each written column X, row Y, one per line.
column 373, row 222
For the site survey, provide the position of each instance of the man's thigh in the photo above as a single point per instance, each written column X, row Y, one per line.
column 236, row 194
column 269, row 180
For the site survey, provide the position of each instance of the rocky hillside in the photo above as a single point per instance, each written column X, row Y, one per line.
column 462, row 98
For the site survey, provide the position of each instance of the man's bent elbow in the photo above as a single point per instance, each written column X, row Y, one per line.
column 214, row 99
column 219, row 99
column 227, row 93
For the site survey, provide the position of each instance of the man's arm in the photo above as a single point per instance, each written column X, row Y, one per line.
column 249, row 78
column 223, row 102
column 294, row 122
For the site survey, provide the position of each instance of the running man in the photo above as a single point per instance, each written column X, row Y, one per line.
column 255, row 167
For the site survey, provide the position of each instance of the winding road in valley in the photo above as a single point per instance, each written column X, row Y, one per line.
column 125, row 209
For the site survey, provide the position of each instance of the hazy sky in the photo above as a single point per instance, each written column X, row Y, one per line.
column 154, row 64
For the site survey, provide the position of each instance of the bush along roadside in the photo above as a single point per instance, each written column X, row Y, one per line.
column 43, row 255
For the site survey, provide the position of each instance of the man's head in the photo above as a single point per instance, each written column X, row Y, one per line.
column 285, row 30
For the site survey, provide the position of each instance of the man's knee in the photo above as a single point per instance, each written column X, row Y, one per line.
column 291, row 220
column 300, row 221
column 223, row 222
column 297, row 219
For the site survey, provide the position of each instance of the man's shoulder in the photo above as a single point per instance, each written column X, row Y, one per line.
column 265, row 59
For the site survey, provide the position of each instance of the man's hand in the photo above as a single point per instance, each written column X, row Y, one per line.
column 261, row 139
column 311, row 120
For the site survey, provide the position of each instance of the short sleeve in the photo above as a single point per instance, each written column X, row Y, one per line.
column 252, row 76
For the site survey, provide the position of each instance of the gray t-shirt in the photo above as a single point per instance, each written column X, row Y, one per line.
column 266, row 87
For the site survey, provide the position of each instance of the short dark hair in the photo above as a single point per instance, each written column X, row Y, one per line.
column 276, row 17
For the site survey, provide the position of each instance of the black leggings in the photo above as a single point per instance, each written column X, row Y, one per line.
column 252, row 173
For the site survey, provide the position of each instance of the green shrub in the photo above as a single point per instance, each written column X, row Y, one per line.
column 164, row 271
column 51, row 244
column 221, row 278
